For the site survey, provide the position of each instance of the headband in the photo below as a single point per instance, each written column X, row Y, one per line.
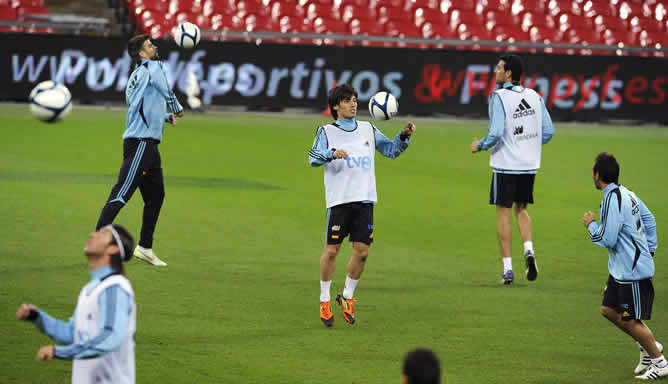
column 118, row 241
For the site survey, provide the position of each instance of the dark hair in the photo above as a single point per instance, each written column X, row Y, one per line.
column 421, row 366
column 339, row 93
column 607, row 168
column 128, row 244
column 513, row 63
column 135, row 44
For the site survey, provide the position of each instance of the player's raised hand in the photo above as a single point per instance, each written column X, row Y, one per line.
column 409, row 129
column 45, row 353
column 588, row 218
column 474, row 145
column 24, row 311
column 340, row 154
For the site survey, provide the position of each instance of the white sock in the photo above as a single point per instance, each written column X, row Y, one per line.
column 507, row 264
column 660, row 362
column 528, row 246
column 324, row 290
column 349, row 288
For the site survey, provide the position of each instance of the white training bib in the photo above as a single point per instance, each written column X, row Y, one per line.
column 354, row 178
column 116, row 366
column 520, row 146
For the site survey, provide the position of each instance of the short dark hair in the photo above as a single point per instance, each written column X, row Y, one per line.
column 135, row 44
column 421, row 366
column 339, row 93
column 128, row 244
column 607, row 168
column 513, row 63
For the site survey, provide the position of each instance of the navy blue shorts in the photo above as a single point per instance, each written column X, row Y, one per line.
column 507, row 189
column 354, row 219
column 633, row 299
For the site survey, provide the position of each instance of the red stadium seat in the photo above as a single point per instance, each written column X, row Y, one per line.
column 329, row 25
column 556, row 7
column 254, row 7
column 8, row 13
column 391, row 13
column 583, row 35
column 221, row 21
column 314, row 10
column 629, row 9
column 157, row 5
column 544, row 35
column 26, row 3
column 601, row 23
column 462, row 5
column 412, row 5
column 466, row 17
column 473, row 32
column 567, row 21
column 355, row 3
column 530, row 19
column 321, row 2
column 294, row 24
column 434, row 16
column 495, row 5
column 286, row 8
column 404, row 29
column 176, row 6
column 652, row 39
column 350, row 12
column 618, row 38
column 198, row 19
column 366, row 28
column 226, row 7
column 659, row 11
column 437, row 31
column 593, row 8
column 390, row 3
column 509, row 33
column 260, row 23
column 638, row 24
column 493, row 18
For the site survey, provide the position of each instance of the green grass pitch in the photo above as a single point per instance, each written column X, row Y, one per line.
column 242, row 229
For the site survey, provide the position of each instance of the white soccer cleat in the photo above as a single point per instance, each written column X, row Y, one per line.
column 645, row 360
column 148, row 256
column 654, row 373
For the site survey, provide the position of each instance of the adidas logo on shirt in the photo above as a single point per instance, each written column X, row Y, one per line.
column 523, row 109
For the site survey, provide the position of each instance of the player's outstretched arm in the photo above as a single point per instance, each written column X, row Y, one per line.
column 393, row 149
column 58, row 330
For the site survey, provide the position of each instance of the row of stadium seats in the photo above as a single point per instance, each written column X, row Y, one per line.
column 22, row 10
column 553, row 21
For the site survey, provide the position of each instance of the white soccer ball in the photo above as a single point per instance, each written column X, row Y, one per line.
column 186, row 35
column 383, row 106
column 50, row 101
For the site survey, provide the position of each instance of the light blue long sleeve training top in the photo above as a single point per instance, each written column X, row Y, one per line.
column 147, row 95
column 321, row 154
column 628, row 231
column 497, row 124
column 115, row 307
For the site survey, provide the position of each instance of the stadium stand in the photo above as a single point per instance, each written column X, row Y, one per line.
column 617, row 23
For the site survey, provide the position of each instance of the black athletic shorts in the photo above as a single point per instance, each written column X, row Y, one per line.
column 354, row 219
column 633, row 299
column 507, row 189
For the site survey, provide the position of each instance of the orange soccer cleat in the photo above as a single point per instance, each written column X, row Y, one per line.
column 326, row 314
column 347, row 307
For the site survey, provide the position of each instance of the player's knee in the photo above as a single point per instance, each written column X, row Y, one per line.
column 331, row 252
column 608, row 313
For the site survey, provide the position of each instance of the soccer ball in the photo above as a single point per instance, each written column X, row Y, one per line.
column 383, row 106
column 50, row 101
column 186, row 35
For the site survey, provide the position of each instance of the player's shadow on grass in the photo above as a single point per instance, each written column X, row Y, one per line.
column 172, row 181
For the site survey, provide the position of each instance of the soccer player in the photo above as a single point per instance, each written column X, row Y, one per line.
column 346, row 148
column 628, row 230
column 519, row 125
column 147, row 95
column 99, row 337
column 421, row 366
